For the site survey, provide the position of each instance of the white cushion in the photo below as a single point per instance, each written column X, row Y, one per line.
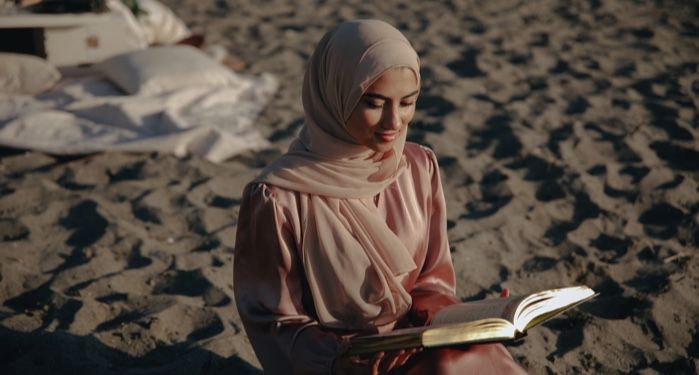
column 162, row 69
column 26, row 74
column 160, row 24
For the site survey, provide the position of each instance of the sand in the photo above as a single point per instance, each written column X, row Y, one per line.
column 567, row 134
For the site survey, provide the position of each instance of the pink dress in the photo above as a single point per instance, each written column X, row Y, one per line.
column 272, row 295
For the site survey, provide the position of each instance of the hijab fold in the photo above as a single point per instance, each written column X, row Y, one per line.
column 353, row 262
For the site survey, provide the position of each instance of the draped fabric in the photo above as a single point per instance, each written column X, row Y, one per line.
column 353, row 262
column 273, row 297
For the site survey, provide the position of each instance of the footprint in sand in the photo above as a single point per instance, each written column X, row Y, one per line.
column 453, row 172
column 636, row 173
column 495, row 195
column 628, row 195
column 612, row 248
column 50, row 307
column 625, row 69
column 676, row 156
column 12, row 230
column 548, row 176
column 68, row 181
column 538, row 264
column 496, row 130
column 557, row 136
column 675, row 182
column 570, row 333
column 434, row 105
column 607, row 133
column 612, row 304
column 134, row 171
column 189, row 283
column 467, row 65
column 208, row 243
column 219, row 201
column 665, row 118
column 650, row 280
column 145, row 213
column 162, row 334
column 88, row 224
column 577, row 105
column 427, row 127
column 662, row 220
column 584, row 208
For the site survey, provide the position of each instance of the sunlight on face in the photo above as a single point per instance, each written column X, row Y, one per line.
column 385, row 110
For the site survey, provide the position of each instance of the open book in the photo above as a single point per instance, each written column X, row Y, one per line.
column 496, row 319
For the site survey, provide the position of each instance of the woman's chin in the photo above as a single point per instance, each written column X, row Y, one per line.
column 381, row 145
column 383, row 148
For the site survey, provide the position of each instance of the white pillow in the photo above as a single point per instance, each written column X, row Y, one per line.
column 160, row 24
column 162, row 69
column 26, row 74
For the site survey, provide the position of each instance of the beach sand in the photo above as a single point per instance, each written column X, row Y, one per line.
column 567, row 134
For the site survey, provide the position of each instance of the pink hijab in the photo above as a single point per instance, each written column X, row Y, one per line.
column 352, row 260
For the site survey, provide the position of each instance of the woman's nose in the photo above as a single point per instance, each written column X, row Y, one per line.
column 392, row 118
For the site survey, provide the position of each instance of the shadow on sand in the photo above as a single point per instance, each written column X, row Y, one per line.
column 42, row 352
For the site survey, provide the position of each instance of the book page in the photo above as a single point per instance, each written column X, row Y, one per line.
column 469, row 311
column 542, row 306
column 485, row 330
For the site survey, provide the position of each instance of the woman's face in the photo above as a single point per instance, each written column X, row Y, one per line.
column 385, row 110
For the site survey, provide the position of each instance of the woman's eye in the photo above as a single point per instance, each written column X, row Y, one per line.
column 406, row 104
column 373, row 104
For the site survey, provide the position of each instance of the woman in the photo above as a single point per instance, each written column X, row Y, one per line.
column 346, row 232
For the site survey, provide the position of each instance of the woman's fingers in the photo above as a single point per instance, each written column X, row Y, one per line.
column 376, row 363
column 392, row 360
column 383, row 362
column 406, row 356
column 351, row 365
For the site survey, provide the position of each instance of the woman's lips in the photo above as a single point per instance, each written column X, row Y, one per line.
column 387, row 136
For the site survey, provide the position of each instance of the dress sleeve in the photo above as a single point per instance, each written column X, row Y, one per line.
column 436, row 284
column 268, row 286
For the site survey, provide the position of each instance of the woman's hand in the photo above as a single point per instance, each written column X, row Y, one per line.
column 378, row 363
column 382, row 362
column 349, row 365
column 346, row 365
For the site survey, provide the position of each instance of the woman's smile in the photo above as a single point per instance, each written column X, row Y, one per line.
column 387, row 136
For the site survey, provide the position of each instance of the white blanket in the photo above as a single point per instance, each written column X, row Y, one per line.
column 86, row 114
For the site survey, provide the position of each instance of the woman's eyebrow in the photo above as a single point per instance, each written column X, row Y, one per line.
column 379, row 96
